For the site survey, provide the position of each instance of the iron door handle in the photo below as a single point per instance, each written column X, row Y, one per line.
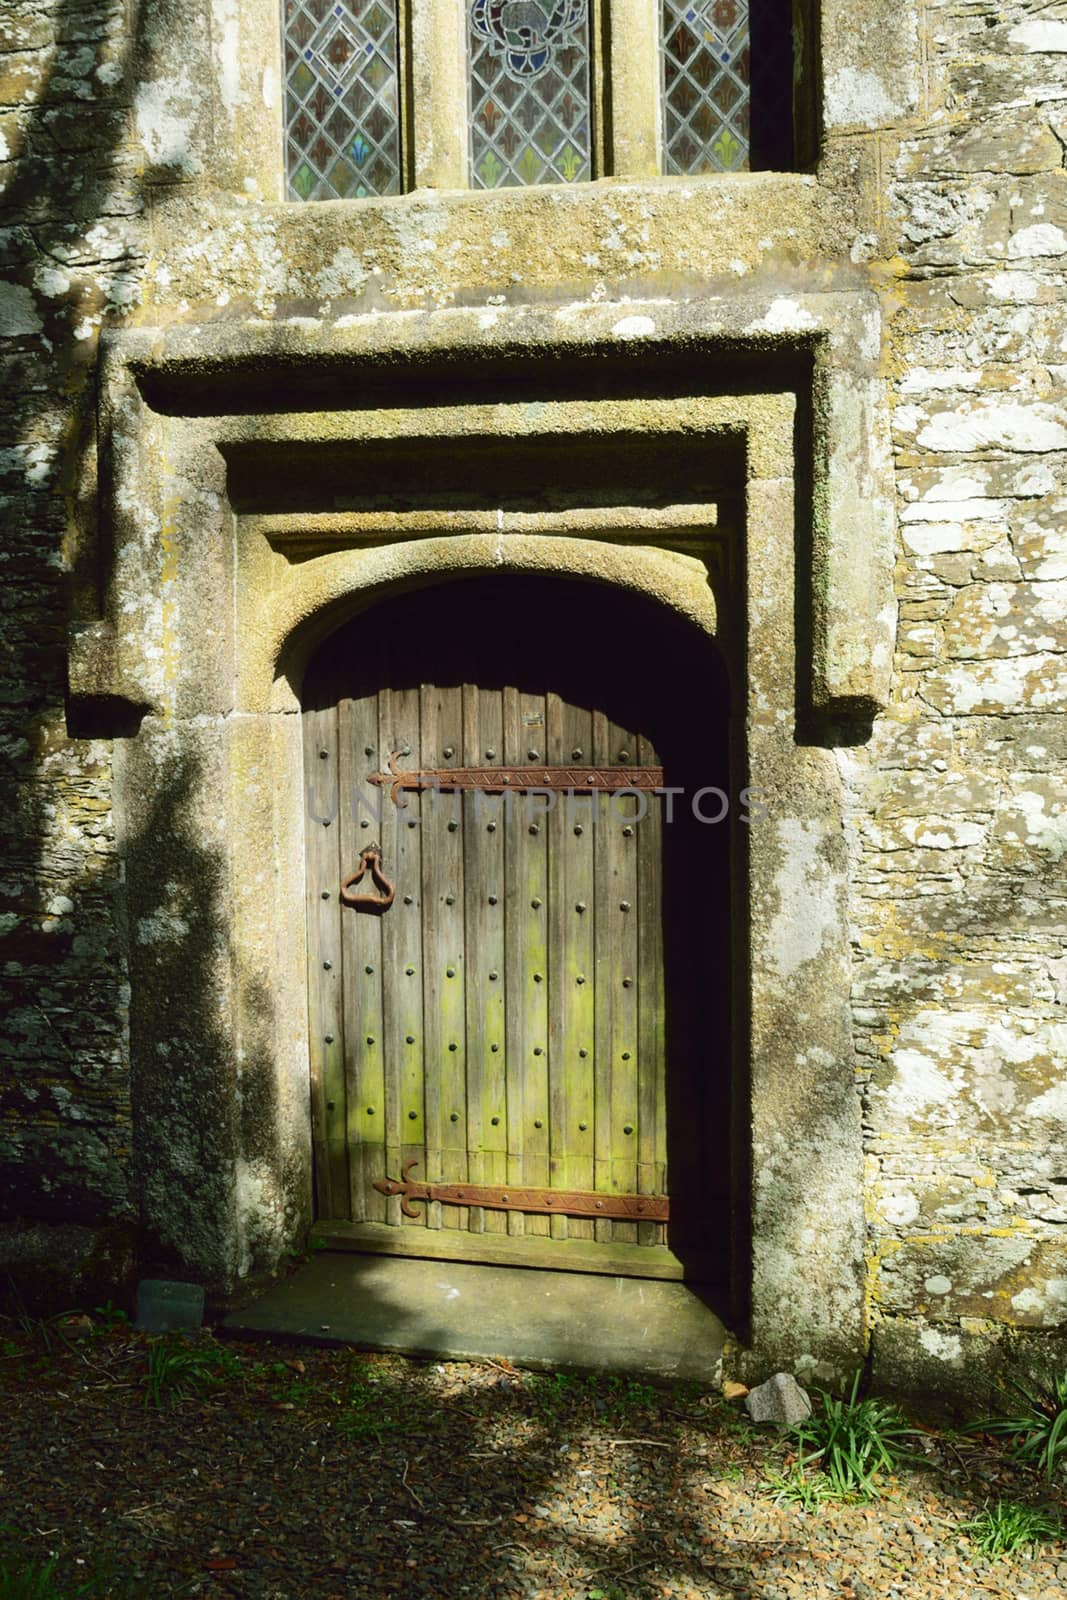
column 370, row 860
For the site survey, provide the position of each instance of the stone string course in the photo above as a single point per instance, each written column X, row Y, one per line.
column 952, row 202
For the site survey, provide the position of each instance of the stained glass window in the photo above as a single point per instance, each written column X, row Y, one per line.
column 705, row 55
column 342, row 112
column 529, row 91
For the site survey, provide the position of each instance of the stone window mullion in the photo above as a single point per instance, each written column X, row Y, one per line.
column 436, row 30
column 632, row 71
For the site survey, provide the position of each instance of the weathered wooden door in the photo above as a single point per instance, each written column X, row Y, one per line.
column 503, row 1021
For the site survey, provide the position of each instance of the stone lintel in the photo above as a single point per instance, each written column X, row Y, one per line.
column 824, row 345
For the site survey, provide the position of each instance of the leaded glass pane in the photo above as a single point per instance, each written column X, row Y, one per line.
column 529, row 91
column 342, row 112
column 705, row 53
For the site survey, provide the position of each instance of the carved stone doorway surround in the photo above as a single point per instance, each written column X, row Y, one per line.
column 260, row 484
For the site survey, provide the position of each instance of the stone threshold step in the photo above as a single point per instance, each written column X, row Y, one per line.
column 468, row 1311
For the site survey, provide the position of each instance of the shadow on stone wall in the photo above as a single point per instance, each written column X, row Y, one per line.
column 187, row 1097
column 71, row 203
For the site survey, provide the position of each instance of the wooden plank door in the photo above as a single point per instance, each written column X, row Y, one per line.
column 503, row 1022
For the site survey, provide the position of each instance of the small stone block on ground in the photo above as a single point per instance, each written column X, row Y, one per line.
column 780, row 1399
column 166, row 1307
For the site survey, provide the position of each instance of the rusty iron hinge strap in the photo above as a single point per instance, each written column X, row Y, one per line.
column 496, row 780
column 510, row 1197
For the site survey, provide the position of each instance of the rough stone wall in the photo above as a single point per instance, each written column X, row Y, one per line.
column 958, row 822
column 942, row 185
column 69, row 220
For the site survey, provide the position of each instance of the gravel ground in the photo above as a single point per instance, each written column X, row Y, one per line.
column 318, row 1472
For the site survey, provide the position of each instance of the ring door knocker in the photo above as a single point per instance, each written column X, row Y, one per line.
column 370, row 860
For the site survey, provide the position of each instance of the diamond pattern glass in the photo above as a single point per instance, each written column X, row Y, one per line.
column 705, row 56
column 529, row 92
column 342, row 103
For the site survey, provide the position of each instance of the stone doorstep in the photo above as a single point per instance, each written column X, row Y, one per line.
column 463, row 1311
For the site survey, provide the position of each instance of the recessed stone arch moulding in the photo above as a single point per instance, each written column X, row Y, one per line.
column 261, row 485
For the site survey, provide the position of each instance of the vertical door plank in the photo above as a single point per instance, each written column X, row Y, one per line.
column 444, row 976
column 555, row 925
column 472, row 874
column 647, row 844
column 580, row 813
column 572, row 959
column 526, row 961
column 626, row 816
column 492, row 899
column 604, row 995
column 515, row 851
column 536, row 1029
column 325, row 1011
column 483, row 851
column 402, row 949
column 361, row 940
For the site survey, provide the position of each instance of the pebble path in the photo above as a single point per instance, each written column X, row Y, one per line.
column 333, row 1474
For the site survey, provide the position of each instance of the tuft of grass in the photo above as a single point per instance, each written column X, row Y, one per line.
column 1039, row 1435
column 854, row 1440
column 796, row 1487
column 38, row 1580
column 1002, row 1529
column 177, row 1370
column 33, row 1582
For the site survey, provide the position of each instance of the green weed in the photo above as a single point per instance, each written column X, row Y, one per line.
column 110, row 1318
column 33, row 1582
column 797, row 1488
column 612, row 1400
column 854, row 1440
column 35, row 1330
column 1038, row 1436
column 292, row 1389
column 177, row 1370
column 38, row 1580
column 312, row 1247
column 1002, row 1529
column 619, row 1398
column 370, row 1408
column 729, row 1419
column 553, row 1393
